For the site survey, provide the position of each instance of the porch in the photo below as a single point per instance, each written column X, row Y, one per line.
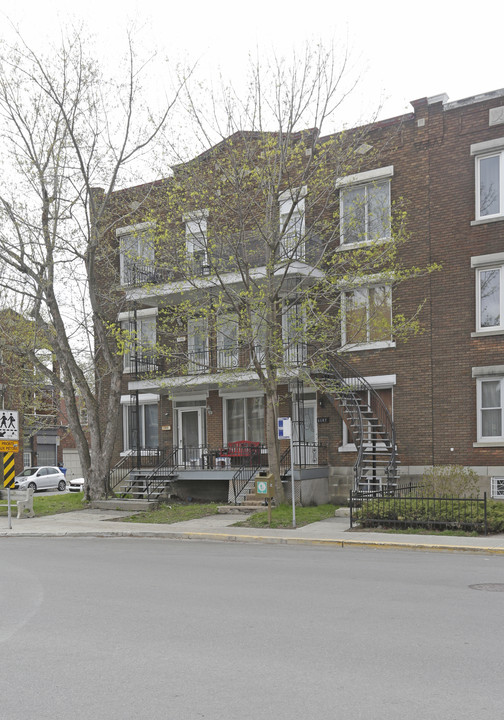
column 222, row 474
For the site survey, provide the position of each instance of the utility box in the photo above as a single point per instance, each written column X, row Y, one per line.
column 265, row 485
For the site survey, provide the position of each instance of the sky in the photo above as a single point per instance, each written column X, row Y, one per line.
column 399, row 51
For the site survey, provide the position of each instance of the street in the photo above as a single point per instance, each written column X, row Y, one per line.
column 117, row 629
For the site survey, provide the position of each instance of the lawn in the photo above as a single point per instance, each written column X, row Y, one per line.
column 281, row 516
column 50, row 504
column 173, row 513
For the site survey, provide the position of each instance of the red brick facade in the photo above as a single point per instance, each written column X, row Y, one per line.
column 434, row 374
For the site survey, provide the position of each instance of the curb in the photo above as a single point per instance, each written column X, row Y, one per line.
column 266, row 539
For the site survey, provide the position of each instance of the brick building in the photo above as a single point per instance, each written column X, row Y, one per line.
column 436, row 399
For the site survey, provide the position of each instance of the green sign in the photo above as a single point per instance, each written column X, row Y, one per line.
column 262, row 487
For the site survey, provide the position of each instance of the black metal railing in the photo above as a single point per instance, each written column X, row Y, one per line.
column 145, row 273
column 155, row 482
column 306, row 454
column 408, row 506
column 249, row 466
column 364, row 411
column 150, row 457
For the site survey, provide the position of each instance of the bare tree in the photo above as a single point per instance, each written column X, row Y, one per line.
column 65, row 130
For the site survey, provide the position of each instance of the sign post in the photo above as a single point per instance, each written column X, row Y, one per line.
column 285, row 433
column 9, row 444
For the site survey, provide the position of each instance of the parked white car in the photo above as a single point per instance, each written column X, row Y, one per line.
column 76, row 485
column 40, row 478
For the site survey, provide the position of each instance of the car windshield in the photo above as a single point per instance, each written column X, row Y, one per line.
column 28, row 471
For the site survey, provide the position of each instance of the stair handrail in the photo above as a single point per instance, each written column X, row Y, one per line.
column 248, row 468
column 348, row 378
column 162, row 465
column 129, row 458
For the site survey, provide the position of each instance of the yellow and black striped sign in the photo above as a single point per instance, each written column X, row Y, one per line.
column 8, row 470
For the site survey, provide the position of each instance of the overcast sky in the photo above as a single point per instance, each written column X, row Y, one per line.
column 401, row 51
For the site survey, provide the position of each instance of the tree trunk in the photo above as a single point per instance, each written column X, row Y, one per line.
column 273, row 444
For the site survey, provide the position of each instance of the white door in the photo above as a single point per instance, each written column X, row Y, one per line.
column 306, row 453
column 191, row 433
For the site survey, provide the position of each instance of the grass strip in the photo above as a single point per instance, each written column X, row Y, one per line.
column 172, row 513
column 50, row 504
column 281, row 516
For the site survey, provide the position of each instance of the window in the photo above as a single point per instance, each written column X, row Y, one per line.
column 497, row 487
column 489, row 397
column 245, row 419
column 140, row 352
column 227, row 341
column 142, row 431
column 367, row 318
column 489, row 178
column 293, row 332
column 292, row 223
column 365, row 206
column 196, row 241
column 197, row 346
column 490, row 315
column 136, row 248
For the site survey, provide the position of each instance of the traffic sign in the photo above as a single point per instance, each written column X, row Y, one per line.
column 9, row 446
column 9, row 425
column 9, row 472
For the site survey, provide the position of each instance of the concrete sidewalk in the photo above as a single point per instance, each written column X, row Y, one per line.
column 330, row 532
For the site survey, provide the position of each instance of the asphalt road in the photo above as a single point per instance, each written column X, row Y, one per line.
column 116, row 629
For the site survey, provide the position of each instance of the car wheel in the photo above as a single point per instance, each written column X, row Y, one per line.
column 32, row 486
column 61, row 485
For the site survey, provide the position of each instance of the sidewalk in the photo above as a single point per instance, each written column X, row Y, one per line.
column 330, row 532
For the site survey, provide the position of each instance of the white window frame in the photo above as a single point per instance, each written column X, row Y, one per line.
column 127, row 320
column 200, row 364
column 141, row 234
column 368, row 179
column 196, row 227
column 240, row 396
column 497, row 488
column 483, row 151
column 489, row 328
column 295, row 349
column 489, row 439
column 292, row 202
column 128, row 401
column 227, row 341
column 368, row 344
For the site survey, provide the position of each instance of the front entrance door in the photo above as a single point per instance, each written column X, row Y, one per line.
column 191, row 432
column 306, row 453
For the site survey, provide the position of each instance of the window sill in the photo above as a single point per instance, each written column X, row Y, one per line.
column 487, row 220
column 362, row 244
column 368, row 346
column 489, row 443
column 349, row 447
column 486, row 333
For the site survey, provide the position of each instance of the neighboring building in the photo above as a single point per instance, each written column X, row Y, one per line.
column 444, row 387
column 28, row 391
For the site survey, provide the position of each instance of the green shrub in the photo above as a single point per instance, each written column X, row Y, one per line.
column 453, row 481
column 441, row 514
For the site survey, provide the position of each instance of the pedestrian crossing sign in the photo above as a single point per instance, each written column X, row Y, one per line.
column 9, row 425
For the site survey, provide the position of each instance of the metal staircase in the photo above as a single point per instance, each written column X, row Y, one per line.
column 145, row 483
column 368, row 420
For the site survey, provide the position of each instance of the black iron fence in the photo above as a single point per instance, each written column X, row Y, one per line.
column 406, row 506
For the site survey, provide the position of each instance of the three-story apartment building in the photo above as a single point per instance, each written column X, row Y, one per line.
column 230, row 282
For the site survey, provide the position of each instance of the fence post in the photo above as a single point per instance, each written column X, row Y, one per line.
column 485, row 512
column 351, row 503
